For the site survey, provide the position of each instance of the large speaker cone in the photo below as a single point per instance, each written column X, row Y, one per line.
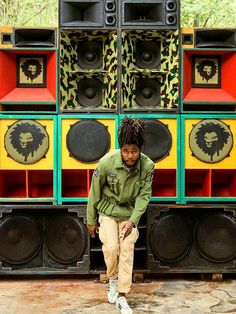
column 215, row 237
column 26, row 141
column 65, row 238
column 170, row 238
column 157, row 140
column 20, row 239
column 88, row 140
column 148, row 55
column 147, row 92
column 90, row 92
column 90, row 55
column 211, row 140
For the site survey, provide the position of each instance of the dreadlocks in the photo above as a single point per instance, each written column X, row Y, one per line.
column 131, row 132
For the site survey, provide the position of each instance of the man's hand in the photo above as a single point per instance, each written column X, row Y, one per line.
column 92, row 229
column 125, row 228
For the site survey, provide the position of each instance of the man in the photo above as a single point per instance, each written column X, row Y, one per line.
column 119, row 194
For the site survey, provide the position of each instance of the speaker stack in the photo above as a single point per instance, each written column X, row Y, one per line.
column 88, row 56
column 48, row 239
column 149, row 56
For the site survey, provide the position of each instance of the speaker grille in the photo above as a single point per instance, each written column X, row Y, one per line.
column 88, row 140
column 20, row 239
column 65, row 238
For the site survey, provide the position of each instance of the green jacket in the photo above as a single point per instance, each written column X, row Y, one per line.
column 117, row 192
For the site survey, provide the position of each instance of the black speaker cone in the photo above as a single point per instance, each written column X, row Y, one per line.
column 147, row 92
column 90, row 92
column 157, row 140
column 90, row 55
column 215, row 237
column 20, row 239
column 148, row 55
column 88, row 140
column 170, row 238
column 65, row 238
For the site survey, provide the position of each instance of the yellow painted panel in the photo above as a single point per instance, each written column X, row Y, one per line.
column 189, row 31
column 68, row 162
column 170, row 161
column 192, row 162
column 8, row 30
column 7, row 162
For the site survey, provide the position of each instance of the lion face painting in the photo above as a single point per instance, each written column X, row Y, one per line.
column 31, row 70
column 210, row 140
column 26, row 141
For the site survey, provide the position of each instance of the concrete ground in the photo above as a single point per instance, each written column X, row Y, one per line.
column 73, row 295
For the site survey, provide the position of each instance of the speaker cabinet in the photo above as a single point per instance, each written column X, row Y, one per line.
column 187, row 37
column 150, row 14
column 6, row 37
column 35, row 37
column 208, row 77
column 198, row 239
column 30, row 80
column 215, row 38
column 88, row 14
column 149, row 71
column 84, row 140
column 161, row 144
column 88, row 71
column 28, row 159
column 41, row 238
column 208, row 168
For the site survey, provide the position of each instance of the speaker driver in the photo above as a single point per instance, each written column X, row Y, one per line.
column 20, row 239
column 110, row 19
column 148, row 55
column 170, row 238
column 88, row 140
column 210, row 140
column 171, row 5
column 215, row 237
column 90, row 92
column 157, row 140
column 171, row 19
column 65, row 238
column 147, row 92
column 90, row 55
column 26, row 141
column 110, row 6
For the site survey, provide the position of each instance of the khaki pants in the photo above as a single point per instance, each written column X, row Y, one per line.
column 118, row 252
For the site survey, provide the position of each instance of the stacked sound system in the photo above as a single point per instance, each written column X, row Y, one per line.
column 63, row 93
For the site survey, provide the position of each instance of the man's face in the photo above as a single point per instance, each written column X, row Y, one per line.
column 130, row 154
column 210, row 138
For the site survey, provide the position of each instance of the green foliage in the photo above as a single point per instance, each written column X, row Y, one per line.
column 29, row 12
column 208, row 13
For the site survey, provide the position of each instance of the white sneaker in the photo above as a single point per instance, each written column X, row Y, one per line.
column 112, row 293
column 123, row 306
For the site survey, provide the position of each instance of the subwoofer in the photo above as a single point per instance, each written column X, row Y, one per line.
column 90, row 92
column 194, row 239
column 88, row 140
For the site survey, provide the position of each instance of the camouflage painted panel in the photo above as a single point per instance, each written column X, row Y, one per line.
column 167, row 73
column 70, row 72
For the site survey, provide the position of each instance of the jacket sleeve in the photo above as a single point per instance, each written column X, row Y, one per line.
column 98, row 180
column 142, row 200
